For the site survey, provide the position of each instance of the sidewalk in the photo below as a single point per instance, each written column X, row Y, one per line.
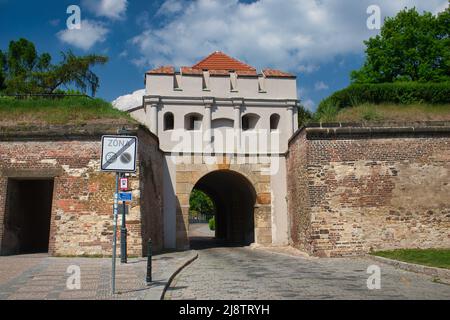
column 41, row 277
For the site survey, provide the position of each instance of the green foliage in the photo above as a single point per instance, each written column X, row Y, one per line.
column 24, row 71
column 212, row 224
column 439, row 258
column 59, row 111
column 2, row 70
column 200, row 202
column 326, row 112
column 304, row 116
column 396, row 93
column 389, row 112
column 411, row 47
column 408, row 63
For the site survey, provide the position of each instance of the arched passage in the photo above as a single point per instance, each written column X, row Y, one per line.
column 234, row 198
column 242, row 197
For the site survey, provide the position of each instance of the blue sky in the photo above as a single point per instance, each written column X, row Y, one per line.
column 318, row 40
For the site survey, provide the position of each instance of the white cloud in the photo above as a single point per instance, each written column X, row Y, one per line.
column 143, row 19
column 129, row 101
column 294, row 35
column 303, row 95
column 309, row 104
column 308, row 68
column 320, row 85
column 112, row 9
column 170, row 7
column 123, row 54
column 91, row 32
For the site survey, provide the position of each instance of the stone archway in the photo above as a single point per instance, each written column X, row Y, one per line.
column 234, row 197
column 253, row 201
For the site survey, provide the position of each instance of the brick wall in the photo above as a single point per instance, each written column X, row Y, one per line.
column 82, row 219
column 370, row 189
column 298, row 196
column 151, row 192
column 3, row 184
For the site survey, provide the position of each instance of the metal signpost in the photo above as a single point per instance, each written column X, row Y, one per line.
column 123, row 229
column 119, row 156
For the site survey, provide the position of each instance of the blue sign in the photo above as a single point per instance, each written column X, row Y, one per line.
column 125, row 196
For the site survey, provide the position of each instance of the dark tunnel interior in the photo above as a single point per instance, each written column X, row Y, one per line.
column 234, row 198
column 27, row 220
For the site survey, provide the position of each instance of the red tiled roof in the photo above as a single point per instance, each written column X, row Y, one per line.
column 162, row 70
column 277, row 73
column 219, row 72
column 247, row 73
column 220, row 64
column 220, row 61
column 190, row 71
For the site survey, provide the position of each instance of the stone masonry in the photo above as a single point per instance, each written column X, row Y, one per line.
column 81, row 217
column 188, row 174
column 357, row 189
column 351, row 189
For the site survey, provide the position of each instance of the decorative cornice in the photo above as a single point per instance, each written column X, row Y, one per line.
column 208, row 101
column 183, row 100
column 237, row 101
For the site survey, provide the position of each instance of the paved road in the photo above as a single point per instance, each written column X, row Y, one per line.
column 200, row 230
column 244, row 273
column 38, row 276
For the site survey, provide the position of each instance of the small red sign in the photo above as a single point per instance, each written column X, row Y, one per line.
column 123, row 184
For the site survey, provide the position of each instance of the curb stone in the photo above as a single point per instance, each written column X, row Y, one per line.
column 174, row 273
column 441, row 273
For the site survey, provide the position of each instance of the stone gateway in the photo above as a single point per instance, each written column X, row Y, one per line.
column 224, row 128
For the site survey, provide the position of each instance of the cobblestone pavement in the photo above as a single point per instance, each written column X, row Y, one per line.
column 37, row 276
column 244, row 273
column 200, row 230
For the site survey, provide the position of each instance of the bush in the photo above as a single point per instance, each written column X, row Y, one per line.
column 304, row 116
column 212, row 224
column 396, row 93
column 327, row 113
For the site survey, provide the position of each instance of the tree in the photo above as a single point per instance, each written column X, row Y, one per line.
column 23, row 70
column 410, row 47
column 200, row 202
column 304, row 116
column 72, row 70
column 2, row 70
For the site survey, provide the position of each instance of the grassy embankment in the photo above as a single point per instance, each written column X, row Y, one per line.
column 439, row 258
column 59, row 111
column 372, row 113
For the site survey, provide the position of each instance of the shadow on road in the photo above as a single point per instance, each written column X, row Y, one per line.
column 202, row 243
column 200, row 237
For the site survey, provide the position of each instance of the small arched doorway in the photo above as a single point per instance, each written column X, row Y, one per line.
column 234, row 200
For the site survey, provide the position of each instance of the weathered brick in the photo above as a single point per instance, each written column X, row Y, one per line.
column 81, row 220
column 352, row 194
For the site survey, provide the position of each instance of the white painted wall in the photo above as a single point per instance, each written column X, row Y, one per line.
column 224, row 117
column 219, row 86
column 278, row 187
